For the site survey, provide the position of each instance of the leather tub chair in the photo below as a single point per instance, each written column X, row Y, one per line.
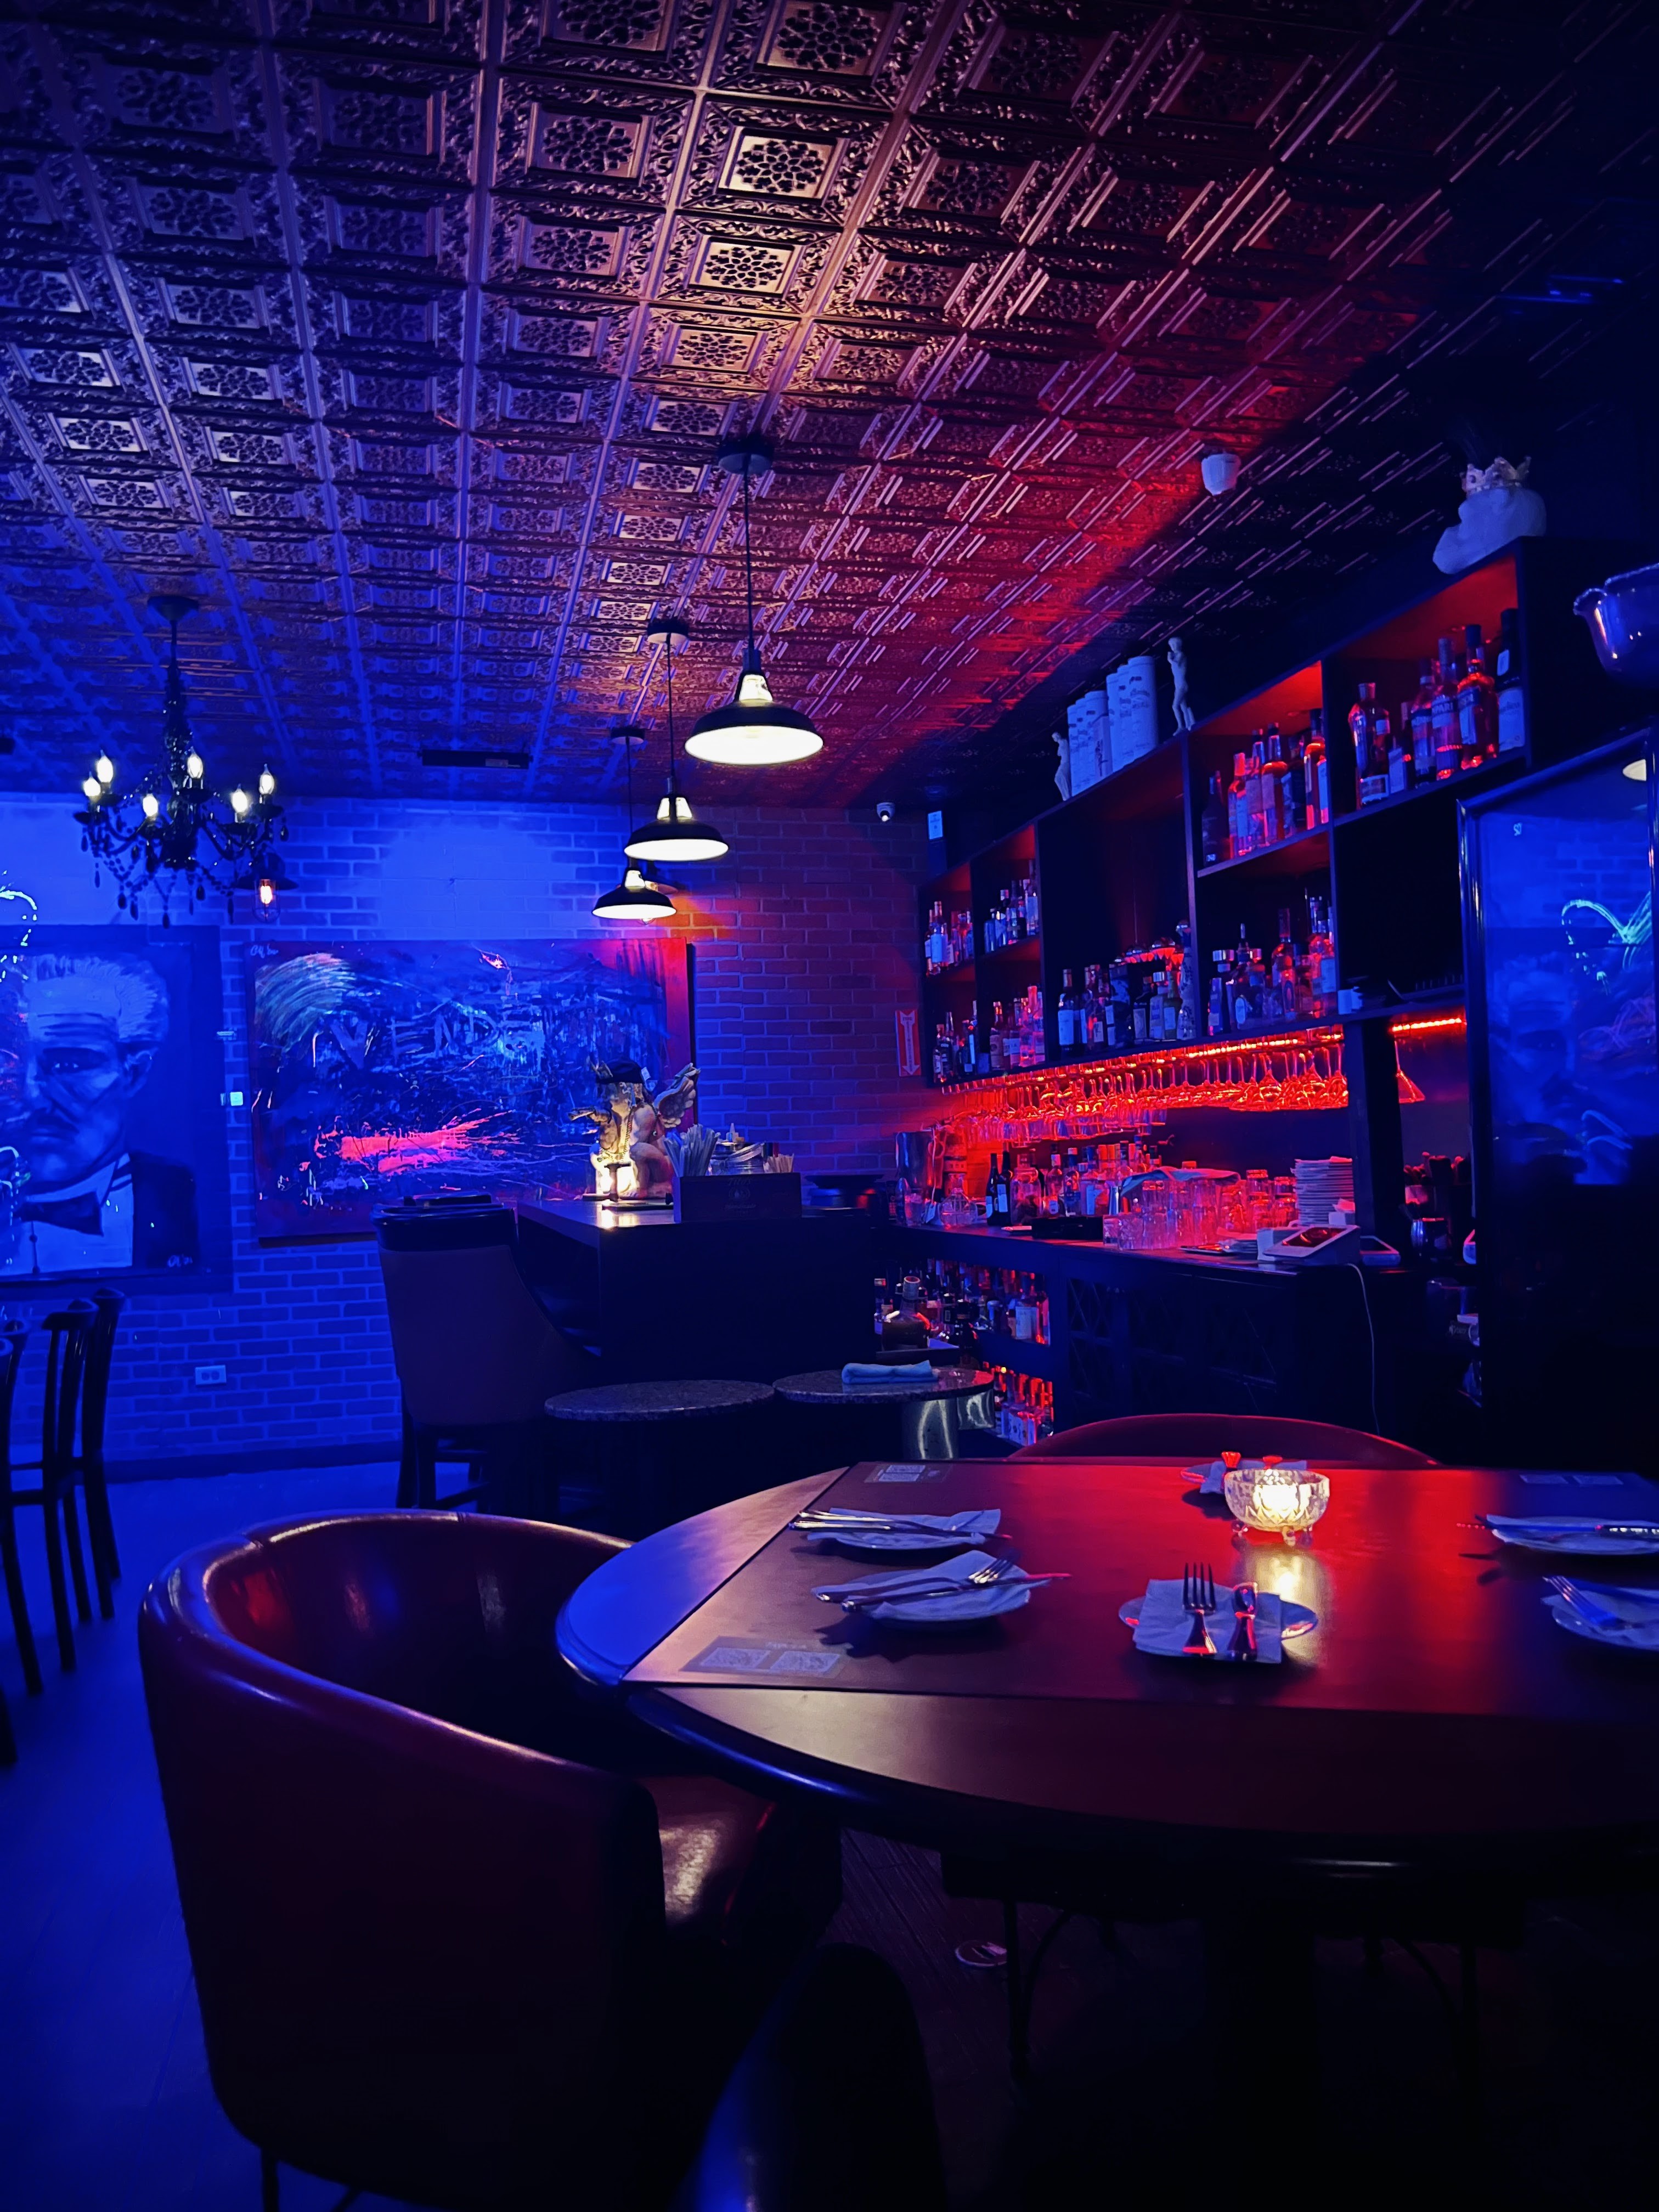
column 460, row 1935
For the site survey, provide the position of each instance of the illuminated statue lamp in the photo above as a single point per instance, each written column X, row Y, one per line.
column 674, row 833
column 753, row 731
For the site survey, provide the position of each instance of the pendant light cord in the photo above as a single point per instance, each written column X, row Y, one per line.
column 668, row 655
column 628, row 771
column 748, row 559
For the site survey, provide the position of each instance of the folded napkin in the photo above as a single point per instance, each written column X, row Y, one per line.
column 861, row 1371
column 982, row 1520
column 1566, row 1533
column 958, row 1570
column 1637, row 1626
column 1165, row 1623
column 1214, row 1484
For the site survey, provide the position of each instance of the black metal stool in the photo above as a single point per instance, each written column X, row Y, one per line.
column 667, row 1449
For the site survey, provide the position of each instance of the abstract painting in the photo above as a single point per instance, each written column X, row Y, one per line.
column 381, row 1070
column 113, row 1163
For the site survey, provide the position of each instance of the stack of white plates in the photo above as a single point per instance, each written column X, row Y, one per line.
column 1322, row 1187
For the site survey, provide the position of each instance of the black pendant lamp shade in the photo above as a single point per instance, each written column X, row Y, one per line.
column 754, row 731
column 636, row 897
column 674, row 833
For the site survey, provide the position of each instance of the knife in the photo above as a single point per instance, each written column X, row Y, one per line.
column 944, row 1590
column 1243, row 1622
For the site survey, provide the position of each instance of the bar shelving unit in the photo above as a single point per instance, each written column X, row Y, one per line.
column 1119, row 865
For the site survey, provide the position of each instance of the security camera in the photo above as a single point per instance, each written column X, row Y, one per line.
column 885, row 809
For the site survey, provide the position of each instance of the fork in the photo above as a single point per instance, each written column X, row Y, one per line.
column 994, row 1571
column 1581, row 1603
column 1197, row 1596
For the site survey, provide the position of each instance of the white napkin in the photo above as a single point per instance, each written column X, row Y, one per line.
column 958, row 1570
column 1637, row 1629
column 858, row 1371
column 1166, row 1624
column 1566, row 1533
column 981, row 1520
column 1214, row 1484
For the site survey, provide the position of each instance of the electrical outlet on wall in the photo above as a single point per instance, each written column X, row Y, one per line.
column 210, row 1375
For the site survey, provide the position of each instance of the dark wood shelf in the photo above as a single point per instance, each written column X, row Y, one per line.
column 1475, row 779
column 959, row 972
column 1021, row 1354
column 1026, row 952
column 1449, row 1000
column 1291, row 856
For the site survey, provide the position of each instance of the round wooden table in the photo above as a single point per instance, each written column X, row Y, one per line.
column 648, row 1474
column 1437, row 1720
column 931, row 1411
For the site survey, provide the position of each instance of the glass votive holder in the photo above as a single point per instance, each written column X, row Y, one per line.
column 1277, row 1501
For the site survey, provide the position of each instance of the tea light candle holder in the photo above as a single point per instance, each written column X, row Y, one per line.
column 1278, row 1500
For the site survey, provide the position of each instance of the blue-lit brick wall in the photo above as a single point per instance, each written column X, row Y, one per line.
column 806, row 949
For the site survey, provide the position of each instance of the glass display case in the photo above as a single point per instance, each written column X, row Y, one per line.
column 1558, row 882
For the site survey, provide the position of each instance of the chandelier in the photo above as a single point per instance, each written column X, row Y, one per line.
column 177, row 839
column 754, row 731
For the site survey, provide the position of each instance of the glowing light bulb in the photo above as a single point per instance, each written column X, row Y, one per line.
column 152, row 806
column 241, row 801
column 267, row 783
column 267, row 892
column 104, row 768
column 754, row 691
column 193, row 766
column 93, row 788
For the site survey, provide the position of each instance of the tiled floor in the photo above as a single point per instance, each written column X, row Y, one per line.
column 104, row 2105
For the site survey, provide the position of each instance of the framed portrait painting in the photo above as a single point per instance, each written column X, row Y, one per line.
column 114, row 1161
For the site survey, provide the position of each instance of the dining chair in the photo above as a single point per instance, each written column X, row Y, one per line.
column 12, row 1340
column 68, row 1335
column 1200, row 1434
column 108, row 1306
column 461, row 1935
column 475, row 1355
column 840, row 2048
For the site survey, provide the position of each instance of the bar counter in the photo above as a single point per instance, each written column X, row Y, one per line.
column 654, row 1298
column 1160, row 1331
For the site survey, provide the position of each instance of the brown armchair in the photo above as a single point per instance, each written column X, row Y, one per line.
column 459, row 1935
column 1254, row 1434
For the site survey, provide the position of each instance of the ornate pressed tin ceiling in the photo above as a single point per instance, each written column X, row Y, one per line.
column 402, row 332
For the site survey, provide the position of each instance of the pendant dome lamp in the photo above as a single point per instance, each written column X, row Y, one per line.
column 754, row 731
column 675, row 834
column 636, row 897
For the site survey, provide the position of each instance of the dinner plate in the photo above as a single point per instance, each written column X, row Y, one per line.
column 1565, row 1616
column 1294, row 1620
column 1581, row 1542
column 984, row 1604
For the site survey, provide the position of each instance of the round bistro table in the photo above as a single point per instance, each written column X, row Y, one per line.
column 931, row 1412
column 647, row 1472
column 1438, row 1716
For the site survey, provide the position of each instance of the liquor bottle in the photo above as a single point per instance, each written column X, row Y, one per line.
column 1422, row 723
column 1238, row 814
column 1275, row 791
column 1033, row 913
column 996, row 1043
column 1220, row 1006
column 1066, row 1012
column 1214, row 843
column 1512, row 692
column 1186, row 985
column 1071, row 1198
column 1296, row 788
column 1284, row 969
column 1401, row 768
column 1246, row 1007
column 1322, row 962
column 1094, row 1010
column 1477, row 704
column 1362, row 728
column 935, row 943
column 1119, row 1017
column 1316, row 772
column 1443, row 714
column 990, row 1190
column 1258, row 828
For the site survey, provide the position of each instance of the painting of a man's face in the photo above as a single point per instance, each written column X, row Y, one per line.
column 90, row 1030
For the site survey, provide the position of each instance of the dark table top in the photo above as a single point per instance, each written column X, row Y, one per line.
column 1437, row 1702
column 823, row 1386
column 655, row 1401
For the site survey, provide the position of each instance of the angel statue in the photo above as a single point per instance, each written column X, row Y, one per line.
column 628, row 1158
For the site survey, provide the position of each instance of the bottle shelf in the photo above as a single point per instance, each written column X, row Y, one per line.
column 1475, row 779
column 1025, row 952
column 1023, row 1354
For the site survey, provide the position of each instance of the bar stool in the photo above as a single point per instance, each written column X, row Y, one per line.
column 667, row 1449
column 68, row 1336
column 913, row 1417
column 94, row 1402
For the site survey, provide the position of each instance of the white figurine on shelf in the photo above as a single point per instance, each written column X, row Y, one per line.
column 1497, row 507
column 1183, row 713
column 1063, row 773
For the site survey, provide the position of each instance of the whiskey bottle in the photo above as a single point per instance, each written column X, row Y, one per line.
column 1442, row 714
column 1215, row 844
column 1511, row 691
column 1066, row 1012
column 1422, row 724
column 1477, row 704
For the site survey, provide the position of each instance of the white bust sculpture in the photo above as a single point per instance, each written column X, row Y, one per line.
column 1497, row 506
